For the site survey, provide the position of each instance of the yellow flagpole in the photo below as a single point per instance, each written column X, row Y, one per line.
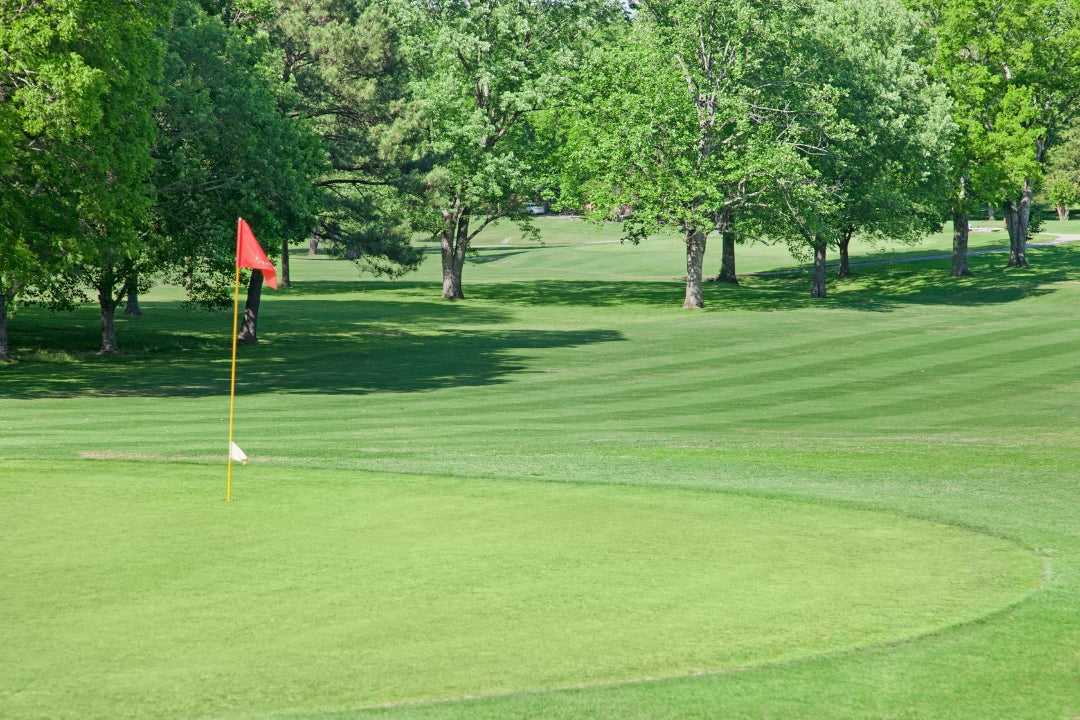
column 232, row 383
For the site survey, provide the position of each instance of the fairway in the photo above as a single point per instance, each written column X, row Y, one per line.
column 563, row 497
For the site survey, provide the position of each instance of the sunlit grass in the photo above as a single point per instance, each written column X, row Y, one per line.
column 319, row 589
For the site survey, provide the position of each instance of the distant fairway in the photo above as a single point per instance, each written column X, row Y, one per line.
column 564, row 497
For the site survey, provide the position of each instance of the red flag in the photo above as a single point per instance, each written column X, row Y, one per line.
column 249, row 254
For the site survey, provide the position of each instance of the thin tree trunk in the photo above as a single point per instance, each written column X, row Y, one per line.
column 1011, row 223
column 845, row 259
column 817, row 286
column 1027, row 197
column 4, row 349
column 461, row 245
column 727, row 256
column 1063, row 213
column 454, row 242
column 695, row 259
column 1024, row 218
column 131, row 307
column 108, row 322
column 248, row 325
column 446, row 249
column 959, row 243
column 284, row 274
column 1020, row 213
column 313, row 245
column 990, row 213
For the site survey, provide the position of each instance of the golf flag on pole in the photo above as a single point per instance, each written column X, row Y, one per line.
column 249, row 254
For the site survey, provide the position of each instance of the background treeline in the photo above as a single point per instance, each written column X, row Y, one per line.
column 132, row 135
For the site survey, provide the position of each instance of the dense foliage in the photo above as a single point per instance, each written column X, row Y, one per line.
column 133, row 135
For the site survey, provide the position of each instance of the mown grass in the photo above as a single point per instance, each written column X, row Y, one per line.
column 905, row 393
column 323, row 589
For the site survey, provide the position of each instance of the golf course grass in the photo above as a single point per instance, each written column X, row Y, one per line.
column 564, row 497
column 339, row 589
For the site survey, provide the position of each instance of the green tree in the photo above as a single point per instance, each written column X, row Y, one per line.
column 51, row 101
column 978, row 177
column 226, row 149
column 686, row 121
column 882, row 154
column 1015, row 66
column 481, row 69
column 111, row 196
column 344, row 66
column 1063, row 175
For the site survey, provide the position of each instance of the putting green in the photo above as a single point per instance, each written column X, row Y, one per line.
column 132, row 589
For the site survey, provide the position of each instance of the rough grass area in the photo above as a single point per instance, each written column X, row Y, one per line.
column 861, row 507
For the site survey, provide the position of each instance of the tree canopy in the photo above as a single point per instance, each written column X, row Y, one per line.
column 132, row 135
column 479, row 71
column 881, row 152
column 225, row 149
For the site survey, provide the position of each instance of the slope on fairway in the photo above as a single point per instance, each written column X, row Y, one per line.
column 131, row 589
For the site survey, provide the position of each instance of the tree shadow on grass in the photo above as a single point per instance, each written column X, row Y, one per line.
column 775, row 294
column 873, row 288
column 314, row 347
column 313, row 288
column 879, row 288
column 887, row 287
column 392, row 341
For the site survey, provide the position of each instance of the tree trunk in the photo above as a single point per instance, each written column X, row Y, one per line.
column 1063, row 213
column 695, row 260
column 4, row 350
column 1020, row 211
column 284, row 274
column 313, row 245
column 108, row 327
column 727, row 256
column 845, row 260
column 990, row 213
column 959, row 243
column 248, row 326
column 1010, row 224
column 451, row 284
column 817, row 286
column 454, row 241
column 131, row 307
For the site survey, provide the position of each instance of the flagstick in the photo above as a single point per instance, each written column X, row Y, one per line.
column 232, row 383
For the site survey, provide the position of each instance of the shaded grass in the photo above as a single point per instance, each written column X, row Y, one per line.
column 176, row 352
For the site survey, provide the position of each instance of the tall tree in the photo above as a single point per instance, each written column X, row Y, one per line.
column 343, row 63
column 481, row 69
column 978, row 177
column 52, row 91
column 1016, row 65
column 111, row 202
column 883, row 154
column 687, row 121
column 226, row 149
